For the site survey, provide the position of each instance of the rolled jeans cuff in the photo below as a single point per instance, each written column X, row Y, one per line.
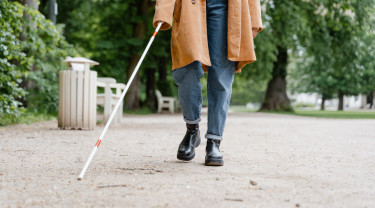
column 212, row 136
column 192, row 122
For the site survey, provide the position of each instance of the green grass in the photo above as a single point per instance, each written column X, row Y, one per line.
column 28, row 117
column 31, row 117
column 241, row 109
column 142, row 111
column 333, row 114
column 322, row 114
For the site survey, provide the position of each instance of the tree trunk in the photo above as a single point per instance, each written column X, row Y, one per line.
column 150, row 89
column 51, row 11
column 341, row 101
column 32, row 4
column 164, row 86
column 276, row 96
column 162, row 66
column 322, row 105
column 151, row 101
column 132, row 98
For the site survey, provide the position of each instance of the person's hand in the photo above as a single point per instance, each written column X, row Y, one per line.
column 255, row 32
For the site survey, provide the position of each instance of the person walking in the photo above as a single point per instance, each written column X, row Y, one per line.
column 212, row 36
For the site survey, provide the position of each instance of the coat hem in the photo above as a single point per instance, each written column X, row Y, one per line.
column 174, row 67
column 241, row 63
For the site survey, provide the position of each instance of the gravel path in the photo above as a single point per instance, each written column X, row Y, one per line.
column 270, row 161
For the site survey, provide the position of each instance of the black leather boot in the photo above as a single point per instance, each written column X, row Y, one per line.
column 213, row 154
column 191, row 140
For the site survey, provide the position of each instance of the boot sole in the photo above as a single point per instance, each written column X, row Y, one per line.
column 189, row 157
column 186, row 158
column 213, row 162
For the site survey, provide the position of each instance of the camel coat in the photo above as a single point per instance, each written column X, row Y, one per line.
column 189, row 33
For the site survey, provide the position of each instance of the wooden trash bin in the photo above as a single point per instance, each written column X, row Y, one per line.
column 77, row 95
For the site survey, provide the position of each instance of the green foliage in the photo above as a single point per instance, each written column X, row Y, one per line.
column 32, row 50
column 166, row 88
column 329, row 49
column 244, row 90
column 46, row 47
column 106, row 32
column 141, row 111
column 265, row 49
column 247, row 90
column 27, row 117
column 13, row 62
column 285, row 29
column 338, row 57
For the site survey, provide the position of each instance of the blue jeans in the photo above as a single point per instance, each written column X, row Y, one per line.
column 220, row 75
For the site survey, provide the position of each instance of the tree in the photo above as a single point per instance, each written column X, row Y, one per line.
column 286, row 25
column 336, row 59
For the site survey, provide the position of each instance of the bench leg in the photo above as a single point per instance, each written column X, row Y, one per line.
column 159, row 107
column 171, row 107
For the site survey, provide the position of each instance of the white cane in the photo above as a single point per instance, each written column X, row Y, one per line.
column 118, row 104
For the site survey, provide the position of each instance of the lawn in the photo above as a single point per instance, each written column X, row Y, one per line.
column 321, row 114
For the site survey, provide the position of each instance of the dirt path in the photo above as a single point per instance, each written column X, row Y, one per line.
column 294, row 161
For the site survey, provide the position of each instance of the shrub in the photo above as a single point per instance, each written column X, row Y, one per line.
column 33, row 62
column 13, row 61
column 46, row 47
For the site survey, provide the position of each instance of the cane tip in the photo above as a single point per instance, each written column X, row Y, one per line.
column 79, row 179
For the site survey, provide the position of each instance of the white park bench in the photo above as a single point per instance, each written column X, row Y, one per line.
column 109, row 99
column 165, row 102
